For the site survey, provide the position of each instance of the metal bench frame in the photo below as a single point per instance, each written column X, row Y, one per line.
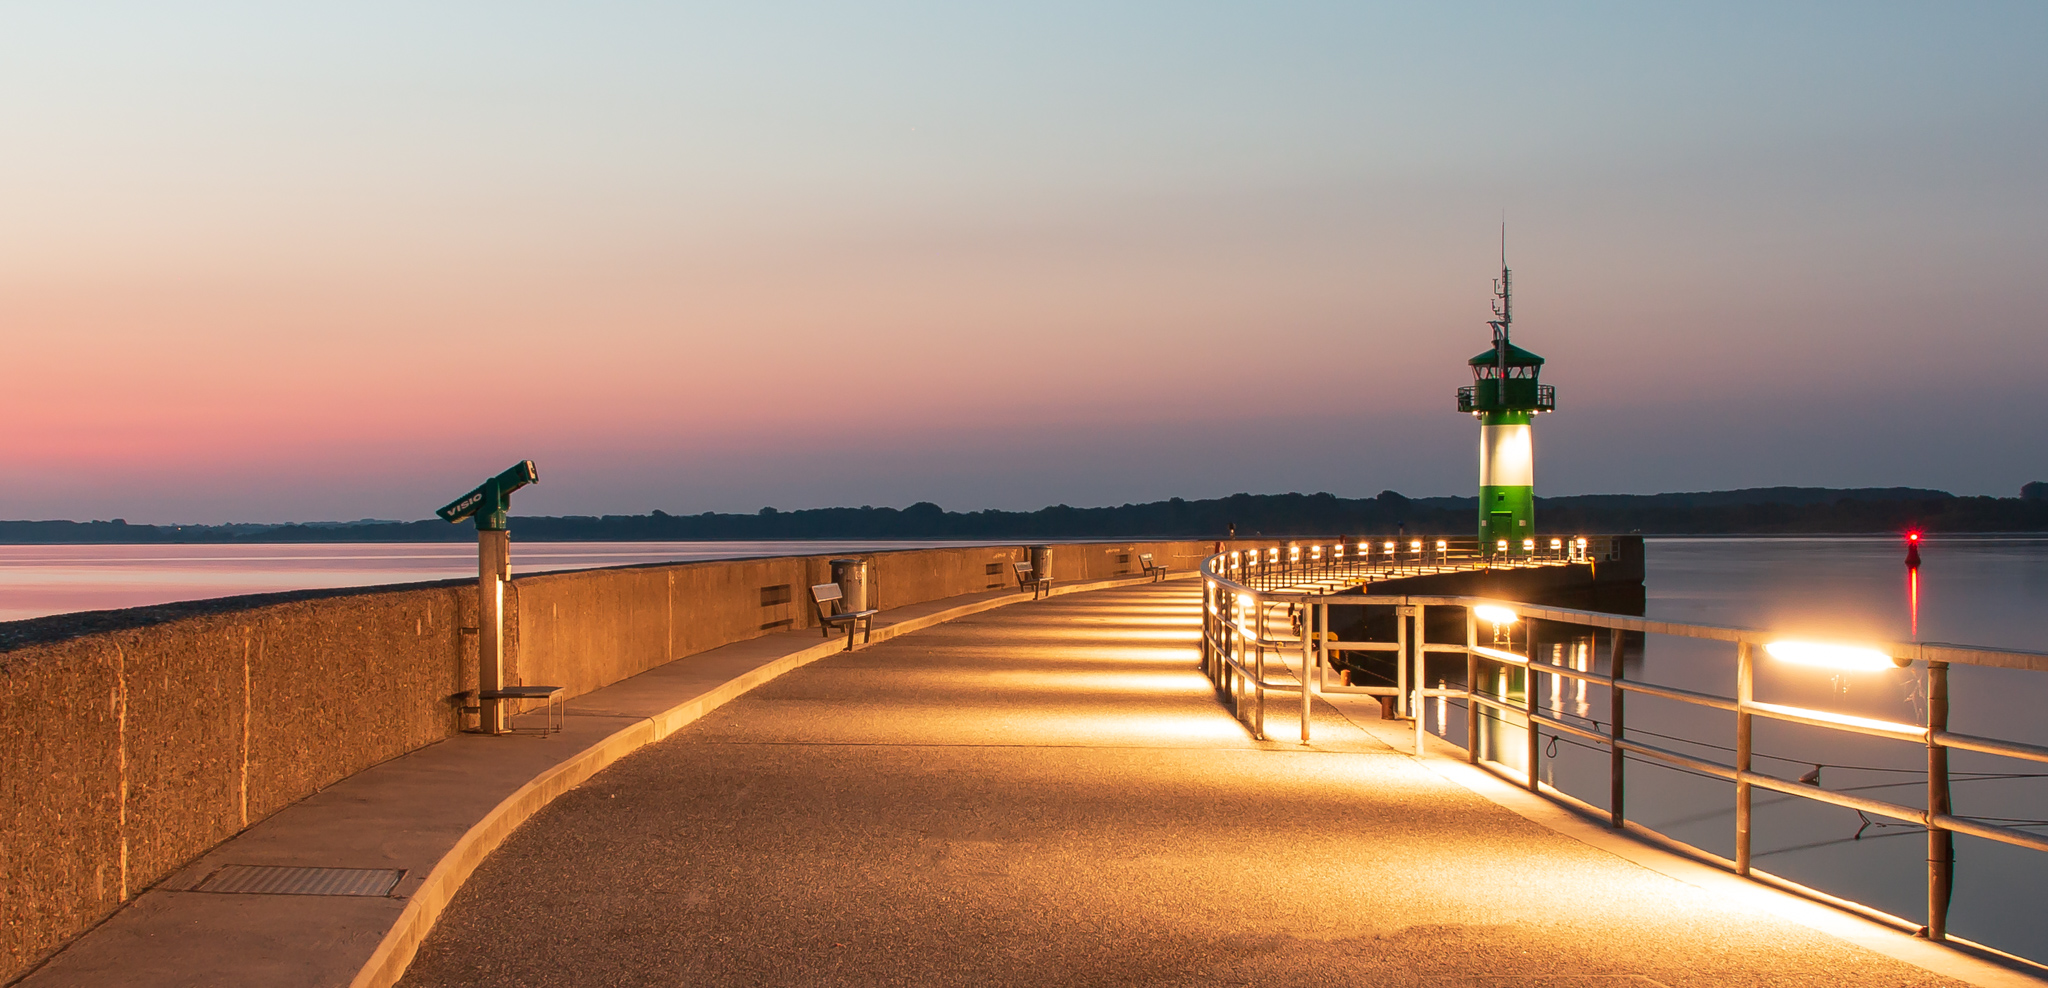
column 1153, row 570
column 553, row 713
column 824, row 594
column 1027, row 577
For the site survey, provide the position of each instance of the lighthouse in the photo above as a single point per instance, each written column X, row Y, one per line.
column 1505, row 396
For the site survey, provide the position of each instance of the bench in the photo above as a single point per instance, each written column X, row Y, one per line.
column 827, row 597
column 551, row 707
column 1026, row 577
column 1153, row 570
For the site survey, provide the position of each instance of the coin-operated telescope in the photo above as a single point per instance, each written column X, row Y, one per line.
column 488, row 504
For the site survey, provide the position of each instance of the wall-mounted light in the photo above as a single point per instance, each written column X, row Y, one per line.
column 1494, row 614
column 1849, row 658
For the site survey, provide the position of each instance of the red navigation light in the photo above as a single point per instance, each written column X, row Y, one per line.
column 1913, row 549
column 1912, row 536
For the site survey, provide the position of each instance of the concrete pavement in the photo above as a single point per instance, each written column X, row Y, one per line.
column 1050, row 794
column 434, row 813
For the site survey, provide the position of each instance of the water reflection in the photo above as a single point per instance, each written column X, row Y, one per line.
column 1913, row 598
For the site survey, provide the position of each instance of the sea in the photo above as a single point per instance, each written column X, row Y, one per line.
column 1976, row 590
column 38, row 580
column 1972, row 590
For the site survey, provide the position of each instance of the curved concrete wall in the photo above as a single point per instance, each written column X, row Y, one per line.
column 126, row 753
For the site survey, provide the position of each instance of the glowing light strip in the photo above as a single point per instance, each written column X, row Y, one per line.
column 1849, row 658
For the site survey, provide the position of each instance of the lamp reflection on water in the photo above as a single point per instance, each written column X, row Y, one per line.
column 1913, row 598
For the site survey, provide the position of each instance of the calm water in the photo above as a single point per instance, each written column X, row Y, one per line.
column 54, row 579
column 1979, row 591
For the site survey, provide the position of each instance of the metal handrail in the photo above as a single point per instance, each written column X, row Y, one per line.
column 1257, row 583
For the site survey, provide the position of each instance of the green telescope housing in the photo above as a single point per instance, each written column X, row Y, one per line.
column 489, row 502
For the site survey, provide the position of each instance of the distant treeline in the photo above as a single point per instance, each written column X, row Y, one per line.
column 1763, row 511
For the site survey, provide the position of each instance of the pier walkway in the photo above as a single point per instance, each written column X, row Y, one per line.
column 1049, row 793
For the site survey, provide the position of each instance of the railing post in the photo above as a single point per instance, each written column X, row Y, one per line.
column 1259, row 675
column 1745, row 690
column 1323, row 648
column 1401, row 614
column 1941, row 848
column 1421, row 678
column 1471, row 686
column 1217, row 648
column 1243, row 657
column 1529, row 704
column 1222, row 636
column 1234, row 673
column 1616, row 764
column 1308, row 652
column 1233, row 644
column 1233, row 648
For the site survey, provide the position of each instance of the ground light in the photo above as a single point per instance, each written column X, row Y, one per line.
column 1849, row 658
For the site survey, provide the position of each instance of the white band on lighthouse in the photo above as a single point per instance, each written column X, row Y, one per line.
column 1507, row 457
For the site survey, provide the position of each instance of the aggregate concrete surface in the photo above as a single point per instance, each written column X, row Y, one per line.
column 1050, row 794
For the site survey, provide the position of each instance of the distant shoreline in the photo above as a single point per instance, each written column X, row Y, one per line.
column 1755, row 512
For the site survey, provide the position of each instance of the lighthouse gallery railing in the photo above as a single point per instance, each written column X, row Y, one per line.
column 1277, row 602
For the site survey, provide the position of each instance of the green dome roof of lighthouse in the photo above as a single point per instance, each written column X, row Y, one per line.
column 1517, row 357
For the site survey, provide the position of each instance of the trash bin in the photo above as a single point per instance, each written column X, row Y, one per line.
column 1041, row 562
column 852, row 577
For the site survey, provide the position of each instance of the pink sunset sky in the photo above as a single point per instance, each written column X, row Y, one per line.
column 263, row 263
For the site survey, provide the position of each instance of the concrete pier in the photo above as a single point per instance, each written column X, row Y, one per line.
column 1048, row 793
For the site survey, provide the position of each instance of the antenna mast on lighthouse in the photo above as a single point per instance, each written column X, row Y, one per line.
column 1503, row 306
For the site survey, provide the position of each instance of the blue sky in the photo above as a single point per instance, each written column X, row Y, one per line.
column 335, row 261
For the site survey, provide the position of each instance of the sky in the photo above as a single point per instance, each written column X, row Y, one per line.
column 277, row 262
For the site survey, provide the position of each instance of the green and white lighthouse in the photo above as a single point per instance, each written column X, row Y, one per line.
column 1506, row 396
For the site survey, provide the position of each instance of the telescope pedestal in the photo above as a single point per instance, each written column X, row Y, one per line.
column 494, row 568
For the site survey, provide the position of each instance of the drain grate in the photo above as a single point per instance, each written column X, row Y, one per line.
column 274, row 880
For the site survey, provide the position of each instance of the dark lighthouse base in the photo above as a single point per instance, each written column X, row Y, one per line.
column 1613, row 584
